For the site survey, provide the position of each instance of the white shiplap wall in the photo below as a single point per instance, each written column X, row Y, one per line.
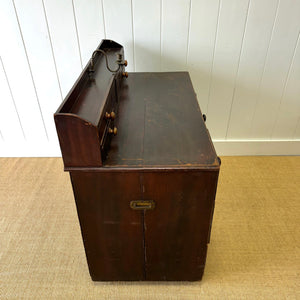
column 243, row 57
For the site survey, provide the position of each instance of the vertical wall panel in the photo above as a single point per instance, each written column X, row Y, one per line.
column 278, row 62
column 118, row 26
column 230, row 32
column 261, row 18
column 36, row 39
column 90, row 26
column 289, row 110
column 63, row 34
column 297, row 130
column 243, row 57
column 175, row 30
column 18, row 72
column 146, row 26
column 10, row 125
column 202, row 36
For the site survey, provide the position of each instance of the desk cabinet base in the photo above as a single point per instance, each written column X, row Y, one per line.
column 143, row 168
column 167, row 242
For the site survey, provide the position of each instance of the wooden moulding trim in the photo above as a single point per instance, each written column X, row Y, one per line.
column 70, row 115
column 183, row 168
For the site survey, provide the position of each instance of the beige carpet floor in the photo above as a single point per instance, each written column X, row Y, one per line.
column 253, row 254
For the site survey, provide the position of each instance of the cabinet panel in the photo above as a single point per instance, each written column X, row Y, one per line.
column 168, row 242
column 112, row 232
column 177, row 230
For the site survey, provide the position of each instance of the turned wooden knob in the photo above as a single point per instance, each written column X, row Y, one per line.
column 125, row 74
column 125, row 63
column 110, row 116
column 113, row 131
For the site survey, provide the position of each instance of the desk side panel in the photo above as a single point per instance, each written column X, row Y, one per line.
column 79, row 141
column 167, row 243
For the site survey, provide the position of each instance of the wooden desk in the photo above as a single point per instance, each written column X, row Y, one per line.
column 145, row 197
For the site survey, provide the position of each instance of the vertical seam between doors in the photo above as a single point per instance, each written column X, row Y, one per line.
column 142, row 188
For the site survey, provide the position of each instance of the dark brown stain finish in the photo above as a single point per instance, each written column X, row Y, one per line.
column 145, row 196
column 112, row 232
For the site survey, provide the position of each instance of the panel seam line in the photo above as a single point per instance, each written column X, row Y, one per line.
column 13, row 99
column 30, row 71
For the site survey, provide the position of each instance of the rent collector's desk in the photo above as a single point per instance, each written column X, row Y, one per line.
column 143, row 169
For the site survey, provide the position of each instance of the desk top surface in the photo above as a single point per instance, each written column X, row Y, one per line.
column 160, row 124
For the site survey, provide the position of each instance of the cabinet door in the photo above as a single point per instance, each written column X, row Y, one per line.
column 112, row 232
column 177, row 230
